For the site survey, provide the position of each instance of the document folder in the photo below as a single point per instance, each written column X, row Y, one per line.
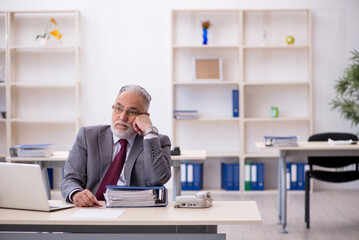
column 127, row 196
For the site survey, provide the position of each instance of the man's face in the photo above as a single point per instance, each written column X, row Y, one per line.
column 123, row 115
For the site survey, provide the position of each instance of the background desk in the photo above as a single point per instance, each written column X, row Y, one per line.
column 176, row 163
column 58, row 159
column 147, row 223
column 304, row 149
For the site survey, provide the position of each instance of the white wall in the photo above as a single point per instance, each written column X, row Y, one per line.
column 128, row 42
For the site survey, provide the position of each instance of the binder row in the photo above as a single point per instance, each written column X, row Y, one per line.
column 295, row 175
column 230, row 176
column 191, row 176
column 254, row 176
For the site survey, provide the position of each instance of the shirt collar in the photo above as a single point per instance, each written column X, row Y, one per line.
column 130, row 140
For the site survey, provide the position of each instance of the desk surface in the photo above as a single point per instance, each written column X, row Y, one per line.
column 312, row 146
column 221, row 213
column 62, row 156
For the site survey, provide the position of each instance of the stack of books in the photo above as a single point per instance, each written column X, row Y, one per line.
column 34, row 150
column 185, row 114
column 275, row 141
column 124, row 196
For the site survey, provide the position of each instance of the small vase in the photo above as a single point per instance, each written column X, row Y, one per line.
column 43, row 41
column 205, row 39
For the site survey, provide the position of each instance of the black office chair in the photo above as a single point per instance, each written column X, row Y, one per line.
column 329, row 162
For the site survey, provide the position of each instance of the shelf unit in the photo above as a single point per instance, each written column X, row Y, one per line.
column 42, row 83
column 267, row 72
column 3, row 77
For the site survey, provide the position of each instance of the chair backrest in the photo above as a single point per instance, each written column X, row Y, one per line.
column 329, row 161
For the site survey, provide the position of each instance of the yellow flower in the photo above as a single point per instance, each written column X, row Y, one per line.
column 55, row 33
column 53, row 21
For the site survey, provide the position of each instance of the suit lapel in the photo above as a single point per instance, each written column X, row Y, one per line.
column 105, row 142
column 136, row 149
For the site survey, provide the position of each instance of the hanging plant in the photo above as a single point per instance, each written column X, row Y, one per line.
column 347, row 90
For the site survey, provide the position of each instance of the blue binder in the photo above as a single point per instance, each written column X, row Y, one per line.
column 223, row 176
column 197, row 176
column 300, row 176
column 235, row 102
column 260, row 176
column 50, row 173
column 228, row 176
column 293, row 176
column 184, row 176
column 288, row 175
column 189, row 180
column 236, row 176
column 254, row 182
column 160, row 195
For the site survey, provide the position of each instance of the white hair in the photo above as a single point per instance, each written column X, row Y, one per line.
column 139, row 91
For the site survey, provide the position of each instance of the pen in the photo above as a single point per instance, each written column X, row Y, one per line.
column 98, row 205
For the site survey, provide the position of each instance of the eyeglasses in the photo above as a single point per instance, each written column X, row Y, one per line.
column 130, row 113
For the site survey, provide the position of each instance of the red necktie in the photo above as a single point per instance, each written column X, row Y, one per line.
column 114, row 171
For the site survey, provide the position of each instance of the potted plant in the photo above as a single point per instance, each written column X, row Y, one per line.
column 46, row 35
column 347, row 90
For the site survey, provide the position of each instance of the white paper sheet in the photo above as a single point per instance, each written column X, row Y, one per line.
column 96, row 213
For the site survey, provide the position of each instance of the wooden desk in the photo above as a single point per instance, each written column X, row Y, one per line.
column 304, row 149
column 58, row 159
column 135, row 223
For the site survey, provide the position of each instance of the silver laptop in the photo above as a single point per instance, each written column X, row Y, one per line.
column 22, row 186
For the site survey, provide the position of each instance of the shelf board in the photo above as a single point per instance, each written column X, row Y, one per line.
column 210, row 119
column 44, row 48
column 39, row 85
column 2, row 84
column 222, row 154
column 34, row 120
column 279, row 119
column 44, row 12
column 207, row 83
column 2, row 120
column 262, row 155
column 296, row 83
column 203, row 46
column 276, row 47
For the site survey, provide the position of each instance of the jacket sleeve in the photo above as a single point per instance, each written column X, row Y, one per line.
column 157, row 157
column 75, row 166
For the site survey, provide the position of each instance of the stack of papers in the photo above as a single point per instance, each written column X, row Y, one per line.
column 119, row 196
column 341, row 142
column 276, row 141
column 34, row 150
column 185, row 114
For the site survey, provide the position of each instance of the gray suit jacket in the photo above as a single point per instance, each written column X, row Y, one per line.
column 148, row 163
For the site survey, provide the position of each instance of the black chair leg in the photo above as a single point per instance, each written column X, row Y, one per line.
column 307, row 189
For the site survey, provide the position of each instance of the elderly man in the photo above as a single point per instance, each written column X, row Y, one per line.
column 130, row 152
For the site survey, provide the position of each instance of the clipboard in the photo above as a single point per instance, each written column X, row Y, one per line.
column 129, row 196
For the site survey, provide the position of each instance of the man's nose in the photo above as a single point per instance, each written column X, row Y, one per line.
column 123, row 116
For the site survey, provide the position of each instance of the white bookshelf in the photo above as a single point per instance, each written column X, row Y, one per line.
column 3, row 88
column 266, row 73
column 42, row 85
